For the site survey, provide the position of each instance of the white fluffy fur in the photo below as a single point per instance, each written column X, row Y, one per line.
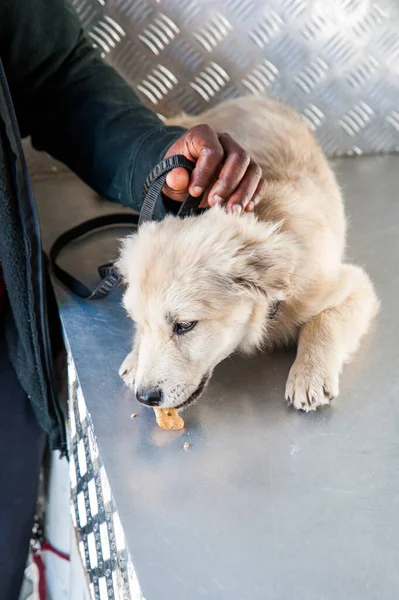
column 227, row 271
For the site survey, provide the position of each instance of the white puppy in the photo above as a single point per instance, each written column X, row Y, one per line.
column 203, row 287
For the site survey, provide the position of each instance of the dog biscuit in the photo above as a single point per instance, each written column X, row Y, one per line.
column 168, row 418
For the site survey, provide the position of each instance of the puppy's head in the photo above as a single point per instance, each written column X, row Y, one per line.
column 199, row 289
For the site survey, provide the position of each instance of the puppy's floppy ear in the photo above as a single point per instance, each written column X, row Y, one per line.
column 264, row 265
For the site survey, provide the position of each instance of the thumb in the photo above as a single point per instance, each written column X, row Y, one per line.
column 177, row 182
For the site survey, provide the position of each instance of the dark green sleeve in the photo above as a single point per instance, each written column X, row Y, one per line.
column 73, row 105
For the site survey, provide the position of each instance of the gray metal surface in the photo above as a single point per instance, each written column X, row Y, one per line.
column 266, row 503
column 335, row 61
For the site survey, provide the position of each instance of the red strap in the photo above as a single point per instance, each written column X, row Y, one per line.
column 37, row 558
column 47, row 547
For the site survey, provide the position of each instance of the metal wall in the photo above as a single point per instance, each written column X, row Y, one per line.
column 336, row 61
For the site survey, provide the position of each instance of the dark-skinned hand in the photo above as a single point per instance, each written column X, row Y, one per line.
column 224, row 171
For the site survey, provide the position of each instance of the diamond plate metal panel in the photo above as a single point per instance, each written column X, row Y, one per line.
column 336, row 62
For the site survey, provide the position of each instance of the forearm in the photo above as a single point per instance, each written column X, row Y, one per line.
column 75, row 107
column 96, row 125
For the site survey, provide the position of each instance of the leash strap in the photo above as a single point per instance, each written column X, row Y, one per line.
column 156, row 180
column 110, row 276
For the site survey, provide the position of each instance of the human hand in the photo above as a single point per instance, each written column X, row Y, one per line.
column 224, row 171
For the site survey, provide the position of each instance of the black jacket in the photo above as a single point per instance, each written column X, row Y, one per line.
column 55, row 87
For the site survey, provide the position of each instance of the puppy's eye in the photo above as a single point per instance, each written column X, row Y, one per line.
column 184, row 327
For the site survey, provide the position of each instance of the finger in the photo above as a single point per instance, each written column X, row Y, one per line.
column 203, row 144
column 256, row 198
column 178, row 180
column 204, row 200
column 176, row 186
column 233, row 171
column 246, row 190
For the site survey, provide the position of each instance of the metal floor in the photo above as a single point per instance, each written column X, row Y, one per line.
column 268, row 503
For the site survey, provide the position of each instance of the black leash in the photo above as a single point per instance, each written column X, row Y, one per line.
column 110, row 277
column 153, row 187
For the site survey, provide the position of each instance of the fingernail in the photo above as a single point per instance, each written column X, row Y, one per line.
column 250, row 206
column 236, row 209
column 257, row 200
column 218, row 199
column 198, row 190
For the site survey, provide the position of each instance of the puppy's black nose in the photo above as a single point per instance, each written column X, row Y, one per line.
column 149, row 397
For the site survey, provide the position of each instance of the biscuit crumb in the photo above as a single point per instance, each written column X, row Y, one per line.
column 133, row 415
column 168, row 418
column 186, row 445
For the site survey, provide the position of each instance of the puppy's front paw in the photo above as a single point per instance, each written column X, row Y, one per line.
column 311, row 386
column 128, row 368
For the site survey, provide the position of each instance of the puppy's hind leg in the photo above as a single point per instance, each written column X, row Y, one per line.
column 328, row 340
